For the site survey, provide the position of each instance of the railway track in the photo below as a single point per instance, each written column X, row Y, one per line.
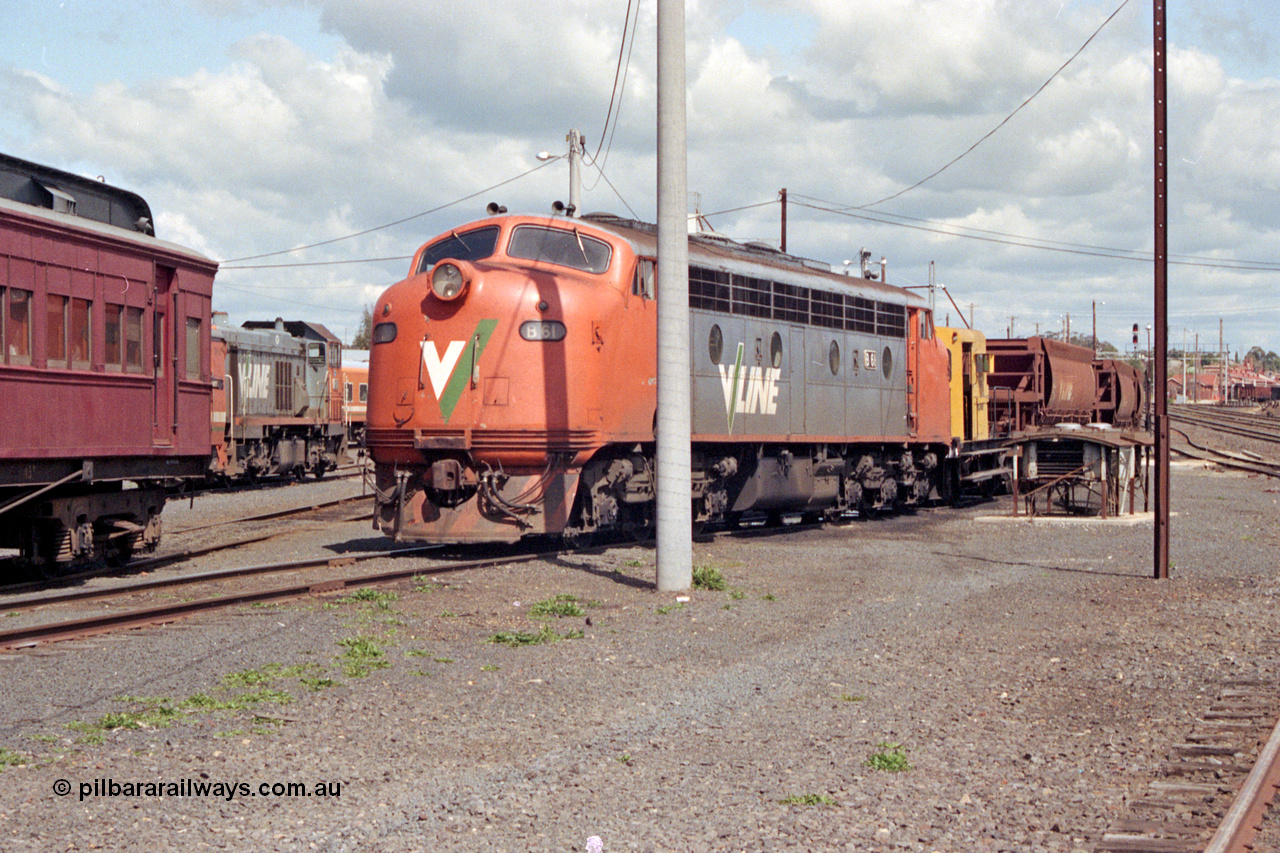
column 1230, row 439
column 169, row 558
column 1215, row 786
column 1233, row 423
column 121, row 619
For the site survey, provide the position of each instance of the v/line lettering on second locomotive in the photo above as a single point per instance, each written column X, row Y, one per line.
column 751, row 391
column 255, row 380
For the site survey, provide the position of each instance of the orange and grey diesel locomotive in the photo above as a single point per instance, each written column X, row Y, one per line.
column 513, row 384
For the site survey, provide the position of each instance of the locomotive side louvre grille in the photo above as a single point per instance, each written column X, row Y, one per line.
column 746, row 296
column 827, row 309
column 709, row 289
column 860, row 315
column 891, row 320
column 790, row 303
column 752, row 297
column 284, row 386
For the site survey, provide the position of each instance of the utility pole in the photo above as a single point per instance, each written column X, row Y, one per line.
column 1222, row 367
column 1195, row 372
column 674, row 458
column 575, row 173
column 783, row 193
column 1161, row 245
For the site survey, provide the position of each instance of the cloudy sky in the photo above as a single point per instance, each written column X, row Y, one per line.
column 361, row 128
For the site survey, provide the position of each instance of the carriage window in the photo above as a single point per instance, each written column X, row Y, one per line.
column 114, row 337
column 56, row 330
column 79, row 343
column 193, row 348
column 364, row 392
column 566, row 248
column 472, row 245
column 17, row 327
column 133, row 340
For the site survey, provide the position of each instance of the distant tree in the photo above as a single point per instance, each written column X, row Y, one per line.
column 1086, row 341
column 1263, row 361
column 364, row 337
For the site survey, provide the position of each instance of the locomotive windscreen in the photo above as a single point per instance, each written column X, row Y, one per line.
column 473, row 245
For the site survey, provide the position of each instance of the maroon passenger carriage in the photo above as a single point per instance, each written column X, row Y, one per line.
column 104, row 368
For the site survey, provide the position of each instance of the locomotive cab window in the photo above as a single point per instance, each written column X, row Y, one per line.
column 570, row 248
column 474, row 245
column 643, row 283
column 315, row 352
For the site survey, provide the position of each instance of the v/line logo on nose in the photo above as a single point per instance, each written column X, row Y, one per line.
column 449, row 372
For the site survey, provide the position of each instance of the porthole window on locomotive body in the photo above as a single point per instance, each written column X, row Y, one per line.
column 833, row 358
column 775, row 350
column 715, row 344
column 886, row 362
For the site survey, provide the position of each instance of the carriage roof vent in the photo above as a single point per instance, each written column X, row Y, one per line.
column 60, row 201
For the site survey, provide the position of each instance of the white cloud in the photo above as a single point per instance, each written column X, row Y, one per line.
column 273, row 145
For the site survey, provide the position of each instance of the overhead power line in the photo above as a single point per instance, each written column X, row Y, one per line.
column 1006, row 119
column 948, row 229
column 389, row 224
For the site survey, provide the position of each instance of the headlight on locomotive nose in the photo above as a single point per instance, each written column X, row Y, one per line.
column 447, row 280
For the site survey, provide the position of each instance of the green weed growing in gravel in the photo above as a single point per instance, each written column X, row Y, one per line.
column 12, row 759
column 808, row 800
column 362, row 656
column 544, row 634
column 556, row 608
column 708, row 577
column 670, row 608
column 891, row 758
column 379, row 598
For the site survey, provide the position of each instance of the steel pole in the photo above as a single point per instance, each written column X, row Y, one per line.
column 1161, row 392
column 575, row 173
column 675, row 521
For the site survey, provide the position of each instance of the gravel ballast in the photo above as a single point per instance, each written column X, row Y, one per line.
column 1031, row 676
